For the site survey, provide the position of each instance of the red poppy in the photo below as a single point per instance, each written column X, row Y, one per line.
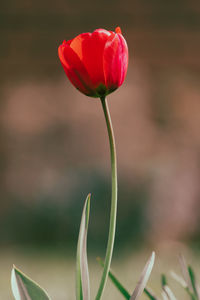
column 95, row 63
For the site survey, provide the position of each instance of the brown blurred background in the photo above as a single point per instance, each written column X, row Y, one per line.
column 54, row 147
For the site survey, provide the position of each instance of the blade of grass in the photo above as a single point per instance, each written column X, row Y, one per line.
column 121, row 288
column 116, row 282
column 150, row 294
column 184, row 270
column 193, row 280
column 82, row 272
column 179, row 279
column 168, row 292
column 198, row 290
column 163, row 280
column 182, row 282
column 189, row 277
column 143, row 278
column 166, row 289
column 164, row 296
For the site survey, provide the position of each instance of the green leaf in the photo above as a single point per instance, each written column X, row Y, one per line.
column 150, row 294
column 116, row 282
column 163, row 280
column 185, row 273
column 168, row 293
column 24, row 288
column 182, row 282
column 164, row 296
column 179, row 279
column 82, row 272
column 189, row 277
column 144, row 278
column 121, row 288
column 193, row 281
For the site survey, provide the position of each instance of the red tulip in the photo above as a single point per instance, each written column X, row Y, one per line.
column 95, row 63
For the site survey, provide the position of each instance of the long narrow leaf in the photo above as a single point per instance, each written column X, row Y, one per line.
column 164, row 296
column 121, row 288
column 144, row 278
column 116, row 282
column 182, row 282
column 82, row 273
column 179, row 279
column 193, row 281
column 185, row 273
column 150, row 294
column 198, row 290
column 189, row 277
column 24, row 288
column 163, row 280
column 168, row 292
column 166, row 289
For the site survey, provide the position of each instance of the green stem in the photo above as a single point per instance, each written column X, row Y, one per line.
column 113, row 212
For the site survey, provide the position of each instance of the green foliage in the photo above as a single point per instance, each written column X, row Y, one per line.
column 116, row 282
column 150, row 294
column 193, row 280
column 24, row 288
column 166, row 291
column 163, row 280
column 141, row 284
column 143, row 278
column 188, row 281
column 191, row 286
column 82, row 272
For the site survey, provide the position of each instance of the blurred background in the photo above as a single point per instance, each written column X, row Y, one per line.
column 54, row 147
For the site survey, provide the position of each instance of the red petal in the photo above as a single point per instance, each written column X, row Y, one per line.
column 75, row 69
column 90, row 47
column 118, row 30
column 115, row 61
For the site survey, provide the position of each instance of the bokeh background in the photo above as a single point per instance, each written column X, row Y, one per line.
column 54, row 147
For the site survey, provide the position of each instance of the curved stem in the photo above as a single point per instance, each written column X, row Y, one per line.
column 113, row 212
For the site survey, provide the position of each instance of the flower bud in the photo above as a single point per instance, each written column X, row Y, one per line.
column 95, row 63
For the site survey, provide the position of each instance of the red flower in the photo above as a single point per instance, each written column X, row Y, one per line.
column 95, row 63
